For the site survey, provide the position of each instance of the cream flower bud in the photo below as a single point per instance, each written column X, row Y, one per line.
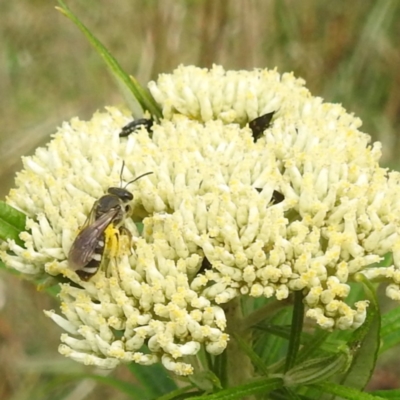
column 62, row 322
column 179, row 368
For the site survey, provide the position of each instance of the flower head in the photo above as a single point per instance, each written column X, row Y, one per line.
column 304, row 207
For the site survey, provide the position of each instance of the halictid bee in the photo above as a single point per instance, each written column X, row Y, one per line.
column 101, row 229
column 136, row 124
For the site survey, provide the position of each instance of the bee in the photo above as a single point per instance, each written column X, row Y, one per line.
column 136, row 124
column 101, row 230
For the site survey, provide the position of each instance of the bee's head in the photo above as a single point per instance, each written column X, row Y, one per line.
column 111, row 201
column 121, row 193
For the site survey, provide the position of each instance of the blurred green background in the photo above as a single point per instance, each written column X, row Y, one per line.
column 348, row 52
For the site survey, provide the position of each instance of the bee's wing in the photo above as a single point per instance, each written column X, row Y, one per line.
column 84, row 246
column 91, row 217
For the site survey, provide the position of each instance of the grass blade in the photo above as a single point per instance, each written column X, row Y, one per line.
column 143, row 97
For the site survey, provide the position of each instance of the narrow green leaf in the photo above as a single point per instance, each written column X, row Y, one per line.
column 285, row 393
column 175, row 394
column 388, row 394
column 12, row 223
column 317, row 370
column 365, row 342
column 153, row 378
column 313, row 345
column 291, row 394
column 390, row 321
column 206, row 381
column 219, row 368
column 281, row 331
column 390, row 330
column 240, row 392
column 134, row 391
column 254, row 357
column 344, row 391
column 151, row 104
column 271, row 348
column 258, row 310
column 296, row 329
column 185, row 396
column 142, row 96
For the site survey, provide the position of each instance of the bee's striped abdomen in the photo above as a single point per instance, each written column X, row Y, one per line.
column 93, row 265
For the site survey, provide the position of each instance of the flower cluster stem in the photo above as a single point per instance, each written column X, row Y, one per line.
column 239, row 367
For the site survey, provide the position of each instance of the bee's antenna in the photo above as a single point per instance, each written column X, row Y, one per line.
column 138, row 177
column 122, row 170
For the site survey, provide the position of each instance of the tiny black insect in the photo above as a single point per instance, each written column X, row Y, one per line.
column 260, row 124
column 205, row 265
column 136, row 124
column 101, row 230
column 277, row 197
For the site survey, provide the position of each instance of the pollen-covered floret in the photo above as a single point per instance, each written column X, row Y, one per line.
column 212, row 227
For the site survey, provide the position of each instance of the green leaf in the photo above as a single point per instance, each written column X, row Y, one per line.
column 13, row 216
column 219, row 368
column 284, row 393
column 177, row 394
column 296, row 329
column 344, row 392
column 317, row 370
column 271, row 348
column 259, row 310
column 134, row 391
column 281, row 331
column 390, row 330
column 12, row 223
column 290, row 394
column 240, row 392
column 142, row 96
column 206, row 381
column 388, row 394
column 254, row 357
column 313, row 345
column 153, row 378
column 364, row 342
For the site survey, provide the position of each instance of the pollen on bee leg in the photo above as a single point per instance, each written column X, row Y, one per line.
column 124, row 245
column 112, row 241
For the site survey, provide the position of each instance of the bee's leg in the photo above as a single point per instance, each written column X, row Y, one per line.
column 127, row 236
column 113, row 248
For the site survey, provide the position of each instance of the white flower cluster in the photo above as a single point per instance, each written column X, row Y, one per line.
column 212, row 230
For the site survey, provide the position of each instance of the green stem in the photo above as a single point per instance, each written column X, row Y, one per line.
column 239, row 367
column 296, row 329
